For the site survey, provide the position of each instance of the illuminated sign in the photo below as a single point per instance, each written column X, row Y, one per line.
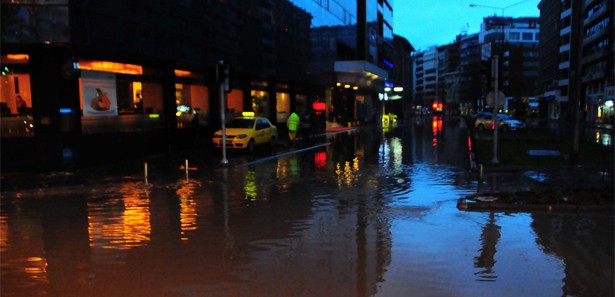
column 319, row 106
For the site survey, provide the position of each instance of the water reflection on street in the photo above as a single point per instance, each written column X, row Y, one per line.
column 369, row 214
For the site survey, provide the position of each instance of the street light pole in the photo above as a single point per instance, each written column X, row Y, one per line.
column 494, row 115
column 496, row 99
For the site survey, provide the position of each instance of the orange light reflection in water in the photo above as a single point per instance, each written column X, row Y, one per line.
column 37, row 268
column 121, row 223
column 4, row 229
column 349, row 174
column 188, row 206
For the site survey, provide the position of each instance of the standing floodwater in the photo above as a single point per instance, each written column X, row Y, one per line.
column 367, row 213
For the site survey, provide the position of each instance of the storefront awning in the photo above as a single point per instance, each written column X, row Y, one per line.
column 361, row 73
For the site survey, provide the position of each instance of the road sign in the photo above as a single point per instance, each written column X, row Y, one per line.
column 501, row 98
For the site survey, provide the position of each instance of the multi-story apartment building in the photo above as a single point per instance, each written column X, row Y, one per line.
column 425, row 70
column 473, row 88
column 515, row 41
column 153, row 64
column 449, row 75
column 584, row 75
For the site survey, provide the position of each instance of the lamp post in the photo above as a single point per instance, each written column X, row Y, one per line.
column 495, row 67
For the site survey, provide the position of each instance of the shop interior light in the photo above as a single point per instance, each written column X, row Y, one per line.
column 110, row 67
column 347, row 86
column 182, row 73
column 338, row 84
column 398, row 89
column 247, row 113
column 154, row 116
column 355, row 88
column 608, row 103
column 66, row 110
column 18, row 57
column 387, row 89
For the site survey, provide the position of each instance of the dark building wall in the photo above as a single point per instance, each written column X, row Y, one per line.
column 261, row 40
column 548, row 51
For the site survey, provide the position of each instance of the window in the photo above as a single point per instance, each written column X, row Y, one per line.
column 260, row 103
column 282, row 107
column 234, row 102
column 15, row 98
column 191, row 101
column 113, row 98
column 528, row 36
column 513, row 36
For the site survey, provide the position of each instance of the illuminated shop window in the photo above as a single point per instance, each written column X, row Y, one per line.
column 282, row 107
column 234, row 102
column 113, row 67
column 113, row 98
column 260, row 103
column 15, row 97
column 192, row 103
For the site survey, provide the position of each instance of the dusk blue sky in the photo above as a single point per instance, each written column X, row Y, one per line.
column 436, row 22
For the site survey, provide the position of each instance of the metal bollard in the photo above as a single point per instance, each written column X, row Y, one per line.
column 480, row 172
column 187, row 178
column 145, row 169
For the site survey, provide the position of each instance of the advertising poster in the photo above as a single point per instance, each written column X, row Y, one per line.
column 99, row 93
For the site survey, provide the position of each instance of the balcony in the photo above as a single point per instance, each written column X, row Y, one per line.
column 564, row 31
column 565, row 47
column 600, row 54
column 597, row 13
column 596, row 35
column 594, row 76
column 563, row 82
column 564, row 65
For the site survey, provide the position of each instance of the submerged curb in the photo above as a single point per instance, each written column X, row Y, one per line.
column 474, row 202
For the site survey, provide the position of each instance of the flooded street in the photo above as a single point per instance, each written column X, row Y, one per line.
column 364, row 213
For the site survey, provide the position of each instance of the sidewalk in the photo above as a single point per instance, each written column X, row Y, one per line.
column 13, row 183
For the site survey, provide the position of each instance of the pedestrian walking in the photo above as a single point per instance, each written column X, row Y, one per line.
column 293, row 124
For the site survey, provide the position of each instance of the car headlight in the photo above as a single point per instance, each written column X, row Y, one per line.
column 241, row 136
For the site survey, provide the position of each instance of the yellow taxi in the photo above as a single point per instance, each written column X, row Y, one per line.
column 246, row 132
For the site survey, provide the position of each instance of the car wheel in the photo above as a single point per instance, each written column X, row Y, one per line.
column 250, row 146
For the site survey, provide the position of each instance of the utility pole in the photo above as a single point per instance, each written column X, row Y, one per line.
column 495, row 117
column 222, row 75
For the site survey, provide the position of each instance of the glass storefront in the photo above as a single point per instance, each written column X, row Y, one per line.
column 114, row 97
column 191, row 100
column 16, row 97
column 282, row 107
column 234, row 102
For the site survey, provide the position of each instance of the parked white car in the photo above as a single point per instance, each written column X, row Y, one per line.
column 505, row 122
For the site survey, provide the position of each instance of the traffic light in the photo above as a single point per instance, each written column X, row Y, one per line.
column 223, row 75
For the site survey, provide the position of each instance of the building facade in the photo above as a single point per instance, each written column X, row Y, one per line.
column 515, row 42
column 425, row 70
column 86, row 82
column 584, row 73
